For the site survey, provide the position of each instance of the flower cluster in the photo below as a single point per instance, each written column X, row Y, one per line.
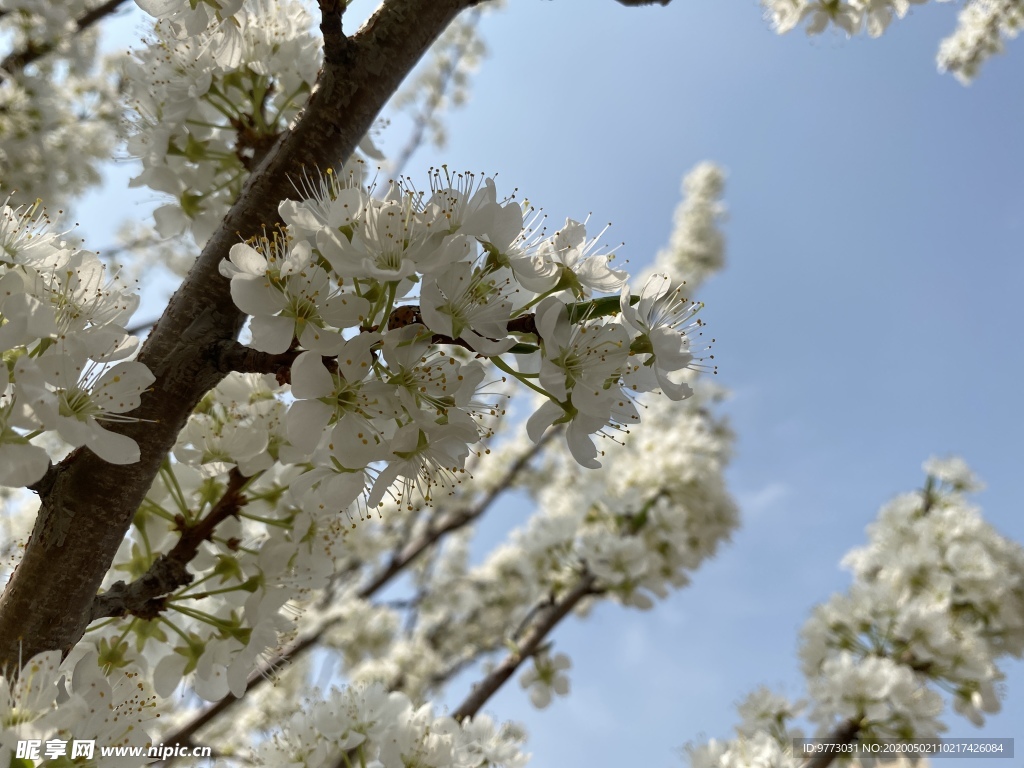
column 394, row 390
column 376, row 391
column 64, row 349
column 375, row 727
column 58, row 112
column 277, row 548
column 211, row 90
column 942, row 596
column 638, row 542
column 546, row 678
column 851, row 16
column 55, row 703
column 276, row 553
column 696, row 247
column 982, row 26
column 937, row 601
column 383, row 319
column 377, row 398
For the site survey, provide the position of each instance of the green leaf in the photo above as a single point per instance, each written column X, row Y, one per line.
column 605, row 306
column 524, row 349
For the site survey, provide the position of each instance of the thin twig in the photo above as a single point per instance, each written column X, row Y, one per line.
column 18, row 60
column 146, row 596
column 335, row 42
column 399, row 561
column 547, row 620
column 434, row 102
column 455, row 521
column 844, row 734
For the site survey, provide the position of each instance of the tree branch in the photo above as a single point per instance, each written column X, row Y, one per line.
column 398, row 563
column 145, row 597
column 547, row 619
column 844, row 734
column 453, row 522
column 232, row 356
column 17, row 60
column 434, row 101
column 85, row 514
column 335, row 42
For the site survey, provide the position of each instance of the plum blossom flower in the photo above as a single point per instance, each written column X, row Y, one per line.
column 26, row 239
column 586, row 353
column 83, row 396
column 323, row 397
column 663, row 317
column 545, row 678
column 565, row 261
column 954, row 471
column 466, row 303
column 21, row 463
column 336, row 206
column 464, row 205
column 391, row 242
column 424, row 457
column 290, row 297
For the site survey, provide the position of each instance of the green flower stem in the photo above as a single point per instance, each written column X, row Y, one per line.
column 522, row 378
column 265, row 520
column 175, row 490
column 102, row 624
column 290, row 101
column 127, row 630
column 202, row 616
column 193, row 585
column 533, row 302
column 207, row 593
column 176, row 628
column 246, row 550
column 155, row 509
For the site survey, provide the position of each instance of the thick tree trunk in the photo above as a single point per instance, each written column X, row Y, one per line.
column 87, row 504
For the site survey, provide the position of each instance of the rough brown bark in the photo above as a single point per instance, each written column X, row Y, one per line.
column 87, row 504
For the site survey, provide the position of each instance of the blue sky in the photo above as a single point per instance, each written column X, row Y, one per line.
column 867, row 318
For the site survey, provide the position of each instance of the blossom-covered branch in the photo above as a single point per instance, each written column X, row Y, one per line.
column 143, row 597
column 397, row 563
column 530, row 643
column 33, row 50
column 448, row 72
column 982, row 26
column 936, row 603
column 43, row 607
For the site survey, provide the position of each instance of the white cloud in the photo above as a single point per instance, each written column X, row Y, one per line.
column 759, row 502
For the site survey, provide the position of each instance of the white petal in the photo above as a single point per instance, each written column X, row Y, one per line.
column 581, row 445
column 543, row 418
column 248, row 259
column 272, row 334
column 168, row 672
column 112, row 447
column 299, row 216
column 310, row 378
column 354, row 444
column 21, row 464
column 486, row 346
column 255, row 295
column 306, row 421
column 431, row 299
